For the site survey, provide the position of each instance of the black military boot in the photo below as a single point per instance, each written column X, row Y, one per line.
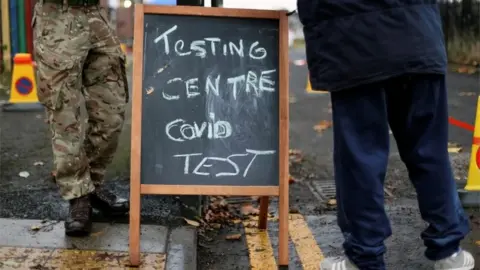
column 79, row 220
column 108, row 203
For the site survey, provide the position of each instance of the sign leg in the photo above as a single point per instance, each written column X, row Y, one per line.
column 263, row 215
column 283, row 232
column 283, row 217
column 134, row 237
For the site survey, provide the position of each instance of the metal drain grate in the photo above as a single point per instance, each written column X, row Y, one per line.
column 323, row 189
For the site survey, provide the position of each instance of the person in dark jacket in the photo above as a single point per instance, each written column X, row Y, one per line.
column 384, row 64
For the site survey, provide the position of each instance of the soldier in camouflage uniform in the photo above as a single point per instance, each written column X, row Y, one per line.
column 80, row 63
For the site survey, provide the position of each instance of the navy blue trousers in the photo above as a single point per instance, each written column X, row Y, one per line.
column 415, row 107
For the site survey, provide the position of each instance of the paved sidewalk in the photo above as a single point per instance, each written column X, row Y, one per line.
column 37, row 244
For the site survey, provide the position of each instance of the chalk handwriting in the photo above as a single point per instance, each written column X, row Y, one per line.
column 214, row 129
column 208, row 162
column 251, row 82
column 209, row 45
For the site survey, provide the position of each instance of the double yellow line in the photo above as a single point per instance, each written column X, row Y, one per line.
column 261, row 251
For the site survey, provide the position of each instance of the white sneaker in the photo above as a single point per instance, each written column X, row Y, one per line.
column 461, row 260
column 340, row 263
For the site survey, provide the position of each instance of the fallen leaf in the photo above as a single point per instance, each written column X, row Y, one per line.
column 38, row 163
column 192, row 222
column 322, row 126
column 236, row 236
column 332, row 202
column 467, row 69
column 35, row 228
column 294, row 151
column 291, row 180
column 462, row 69
column 454, row 148
column 295, row 156
column 24, row 174
column 248, row 209
column 150, row 90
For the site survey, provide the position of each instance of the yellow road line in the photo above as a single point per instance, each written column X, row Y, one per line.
column 43, row 258
column 311, row 91
column 259, row 247
column 261, row 251
column 305, row 244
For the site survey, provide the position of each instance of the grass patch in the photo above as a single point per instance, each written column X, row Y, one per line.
column 5, row 81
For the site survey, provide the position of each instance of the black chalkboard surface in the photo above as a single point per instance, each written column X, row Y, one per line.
column 210, row 101
column 210, row 108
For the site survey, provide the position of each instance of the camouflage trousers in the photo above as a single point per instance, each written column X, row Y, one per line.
column 79, row 64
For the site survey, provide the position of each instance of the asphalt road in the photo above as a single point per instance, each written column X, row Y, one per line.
column 25, row 147
column 310, row 197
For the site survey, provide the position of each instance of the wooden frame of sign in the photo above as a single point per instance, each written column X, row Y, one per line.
column 137, row 189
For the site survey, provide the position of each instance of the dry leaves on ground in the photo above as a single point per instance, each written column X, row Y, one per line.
column 249, row 209
column 322, row 126
column 298, row 169
column 467, row 70
column 295, row 156
column 224, row 211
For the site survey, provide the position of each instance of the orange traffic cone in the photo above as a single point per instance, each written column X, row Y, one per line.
column 23, row 91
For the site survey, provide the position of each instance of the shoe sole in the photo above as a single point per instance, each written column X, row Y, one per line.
column 77, row 233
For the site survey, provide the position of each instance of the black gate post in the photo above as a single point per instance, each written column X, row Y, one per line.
column 217, row 3
column 190, row 3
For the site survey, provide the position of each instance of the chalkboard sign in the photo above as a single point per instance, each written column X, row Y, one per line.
column 210, row 104
column 210, row 101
